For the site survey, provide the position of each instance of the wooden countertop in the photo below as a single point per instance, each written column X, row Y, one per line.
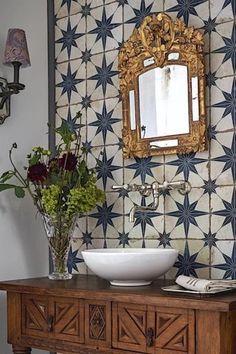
column 92, row 287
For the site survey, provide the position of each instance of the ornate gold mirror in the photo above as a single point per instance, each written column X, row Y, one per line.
column 163, row 88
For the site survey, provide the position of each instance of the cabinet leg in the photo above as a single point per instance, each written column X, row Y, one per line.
column 21, row 350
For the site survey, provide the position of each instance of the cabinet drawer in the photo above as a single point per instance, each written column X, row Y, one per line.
column 55, row 317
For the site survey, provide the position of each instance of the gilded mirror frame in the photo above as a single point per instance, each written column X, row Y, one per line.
column 154, row 40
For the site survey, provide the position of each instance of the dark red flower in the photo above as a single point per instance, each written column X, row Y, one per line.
column 68, row 161
column 37, row 173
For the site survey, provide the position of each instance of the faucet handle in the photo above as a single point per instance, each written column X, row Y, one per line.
column 125, row 187
column 186, row 188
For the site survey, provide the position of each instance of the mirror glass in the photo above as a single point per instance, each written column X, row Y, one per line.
column 162, row 84
column 163, row 101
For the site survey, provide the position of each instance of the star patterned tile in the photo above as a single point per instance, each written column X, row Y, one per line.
column 108, row 164
column 104, row 28
column 102, row 76
column 223, row 104
column 70, row 38
column 190, row 167
column 223, row 162
column 104, row 122
column 223, row 10
column 70, row 82
column 192, row 12
column 136, row 10
column 64, row 8
column 193, row 259
column 224, row 260
column 223, row 47
column 223, row 207
column 143, row 170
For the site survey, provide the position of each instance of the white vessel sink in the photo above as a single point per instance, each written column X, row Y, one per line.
column 130, row 266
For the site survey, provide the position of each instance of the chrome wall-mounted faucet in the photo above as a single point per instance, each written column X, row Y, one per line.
column 155, row 189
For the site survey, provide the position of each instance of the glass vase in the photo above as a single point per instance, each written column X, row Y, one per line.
column 59, row 234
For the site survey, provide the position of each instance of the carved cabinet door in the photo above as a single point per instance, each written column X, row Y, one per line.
column 53, row 318
column 129, row 327
column 98, row 323
column 173, row 330
column 35, row 315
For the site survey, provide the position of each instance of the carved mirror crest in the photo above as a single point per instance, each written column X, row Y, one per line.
column 162, row 82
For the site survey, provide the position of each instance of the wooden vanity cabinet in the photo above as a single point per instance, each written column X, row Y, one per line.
column 86, row 315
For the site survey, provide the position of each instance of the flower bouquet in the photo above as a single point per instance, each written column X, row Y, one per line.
column 62, row 188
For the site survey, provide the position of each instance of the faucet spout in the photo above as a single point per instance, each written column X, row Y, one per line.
column 153, row 206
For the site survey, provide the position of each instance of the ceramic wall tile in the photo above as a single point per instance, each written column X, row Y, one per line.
column 104, row 122
column 64, row 8
column 223, row 204
column 223, row 44
column 224, row 260
column 189, row 167
column 223, row 164
column 222, row 10
column 102, row 76
column 136, row 10
column 104, row 28
column 223, row 104
column 70, row 82
column 145, row 170
column 108, row 165
column 194, row 12
column 70, row 37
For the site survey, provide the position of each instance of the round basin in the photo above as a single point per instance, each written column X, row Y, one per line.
column 130, row 266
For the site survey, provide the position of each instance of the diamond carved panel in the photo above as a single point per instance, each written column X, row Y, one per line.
column 97, row 322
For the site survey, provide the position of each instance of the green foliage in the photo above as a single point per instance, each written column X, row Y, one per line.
column 62, row 186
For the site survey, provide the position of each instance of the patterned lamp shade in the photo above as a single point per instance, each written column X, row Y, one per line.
column 16, row 48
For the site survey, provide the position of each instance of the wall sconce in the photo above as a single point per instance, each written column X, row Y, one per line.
column 16, row 54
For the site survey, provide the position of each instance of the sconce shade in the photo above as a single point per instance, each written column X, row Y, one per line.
column 16, row 48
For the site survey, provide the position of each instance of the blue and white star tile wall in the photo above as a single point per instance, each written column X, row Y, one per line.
column 202, row 225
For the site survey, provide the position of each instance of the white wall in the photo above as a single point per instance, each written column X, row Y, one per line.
column 23, row 246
